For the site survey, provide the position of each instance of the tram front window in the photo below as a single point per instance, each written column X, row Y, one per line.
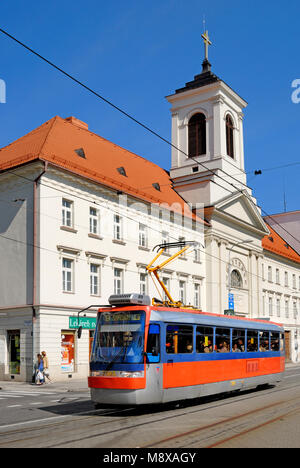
column 119, row 337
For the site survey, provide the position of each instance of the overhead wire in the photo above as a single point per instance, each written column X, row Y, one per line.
column 107, row 101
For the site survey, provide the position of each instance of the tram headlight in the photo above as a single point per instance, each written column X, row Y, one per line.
column 132, row 374
column 95, row 373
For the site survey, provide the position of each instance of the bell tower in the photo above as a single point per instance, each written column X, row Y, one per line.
column 207, row 137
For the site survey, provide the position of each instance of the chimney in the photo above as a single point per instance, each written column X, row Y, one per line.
column 77, row 122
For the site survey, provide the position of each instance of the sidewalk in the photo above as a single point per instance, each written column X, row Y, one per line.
column 80, row 385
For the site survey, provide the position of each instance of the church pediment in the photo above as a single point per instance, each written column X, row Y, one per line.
column 240, row 209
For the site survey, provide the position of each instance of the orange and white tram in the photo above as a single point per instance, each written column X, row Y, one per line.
column 148, row 352
column 145, row 354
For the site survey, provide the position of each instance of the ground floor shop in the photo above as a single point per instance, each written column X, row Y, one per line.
column 25, row 332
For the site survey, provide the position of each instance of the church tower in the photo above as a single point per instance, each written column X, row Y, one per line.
column 207, row 138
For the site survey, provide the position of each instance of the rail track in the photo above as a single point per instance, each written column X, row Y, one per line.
column 161, row 427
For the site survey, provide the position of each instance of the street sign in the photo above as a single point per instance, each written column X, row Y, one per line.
column 85, row 322
column 230, row 301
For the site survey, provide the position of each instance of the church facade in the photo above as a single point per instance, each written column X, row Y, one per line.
column 251, row 269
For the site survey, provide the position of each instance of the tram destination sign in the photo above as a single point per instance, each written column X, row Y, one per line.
column 85, row 322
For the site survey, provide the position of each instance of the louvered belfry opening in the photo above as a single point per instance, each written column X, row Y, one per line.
column 229, row 136
column 197, row 135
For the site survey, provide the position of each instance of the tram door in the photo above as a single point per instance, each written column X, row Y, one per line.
column 287, row 336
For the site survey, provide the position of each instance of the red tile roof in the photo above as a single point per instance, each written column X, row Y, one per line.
column 276, row 244
column 56, row 141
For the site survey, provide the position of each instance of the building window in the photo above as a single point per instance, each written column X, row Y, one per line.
column 236, row 279
column 270, row 274
column 277, row 276
column 295, row 311
column 166, row 282
column 143, row 241
column 229, row 136
column 286, row 279
column 278, row 307
column 67, row 275
column 287, row 309
column 165, row 239
column 94, row 279
column 197, row 295
column 197, row 135
column 270, row 306
column 182, row 239
column 117, row 227
column 197, row 257
column 143, row 283
column 118, row 281
column 67, row 213
column 182, row 291
column 294, row 282
column 94, row 221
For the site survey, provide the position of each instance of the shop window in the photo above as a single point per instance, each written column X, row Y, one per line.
column 14, row 351
column 67, row 351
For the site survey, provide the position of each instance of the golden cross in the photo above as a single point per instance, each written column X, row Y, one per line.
column 206, row 43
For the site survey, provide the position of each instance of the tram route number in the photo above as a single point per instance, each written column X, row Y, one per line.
column 136, row 456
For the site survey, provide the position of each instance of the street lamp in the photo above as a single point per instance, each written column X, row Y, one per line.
column 79, row 331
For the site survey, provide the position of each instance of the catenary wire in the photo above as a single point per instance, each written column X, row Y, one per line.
column 142, row 125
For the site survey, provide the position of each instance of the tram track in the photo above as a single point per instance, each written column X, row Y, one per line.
column 125, row 419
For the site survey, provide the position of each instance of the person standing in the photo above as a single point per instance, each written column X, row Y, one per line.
column 39, row 368
column 46, row 366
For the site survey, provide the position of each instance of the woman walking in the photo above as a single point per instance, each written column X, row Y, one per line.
column 46, row 367
column 39, row 367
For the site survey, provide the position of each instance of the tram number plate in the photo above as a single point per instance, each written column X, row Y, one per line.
column 111, row 373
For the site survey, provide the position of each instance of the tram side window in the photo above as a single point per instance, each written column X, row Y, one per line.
column 252, row 340
column 223, row 340
column 238, row 341
column 179, row 339
column 264, row 341
column 275, row 341
column 204, row 339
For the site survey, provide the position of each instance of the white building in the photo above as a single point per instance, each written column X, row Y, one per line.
column 79, row 218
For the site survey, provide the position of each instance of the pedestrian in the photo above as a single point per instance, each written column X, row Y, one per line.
column 39, row 367
column 46, row 367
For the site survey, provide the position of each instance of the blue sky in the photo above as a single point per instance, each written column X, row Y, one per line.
column 135, row 53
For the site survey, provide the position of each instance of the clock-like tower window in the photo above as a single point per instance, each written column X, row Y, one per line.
column 229, row 136
column 197, row 135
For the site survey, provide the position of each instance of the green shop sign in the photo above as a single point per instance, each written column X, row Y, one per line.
column 84, row 322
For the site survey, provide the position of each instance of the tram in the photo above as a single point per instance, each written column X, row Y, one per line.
column 152, row 352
